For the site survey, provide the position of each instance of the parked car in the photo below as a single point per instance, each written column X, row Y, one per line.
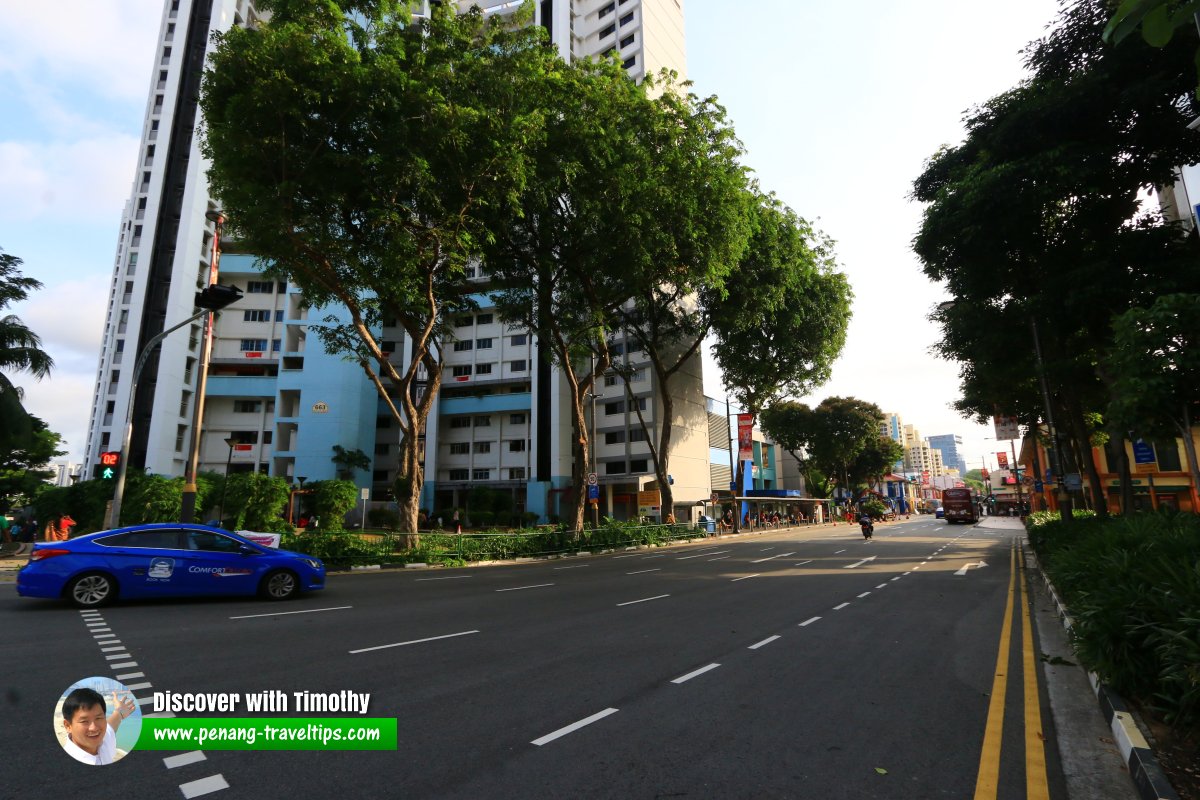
column 164, row 560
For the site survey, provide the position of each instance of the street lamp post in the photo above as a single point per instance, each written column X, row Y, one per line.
column 230, row 442
column 188, row 511
column 114, row 513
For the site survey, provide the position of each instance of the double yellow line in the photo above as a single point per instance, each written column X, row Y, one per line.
column 1035, row 753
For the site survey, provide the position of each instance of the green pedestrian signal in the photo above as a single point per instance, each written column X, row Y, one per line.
column 108, row 464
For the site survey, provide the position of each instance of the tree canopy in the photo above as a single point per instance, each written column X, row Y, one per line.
column 354, row 148
column 1036, row 222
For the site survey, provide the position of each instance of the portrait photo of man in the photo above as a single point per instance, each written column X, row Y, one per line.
column 89, row 726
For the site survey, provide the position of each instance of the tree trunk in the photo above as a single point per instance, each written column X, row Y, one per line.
column 1126, row 480
column 1079, row 429
column 411, row 481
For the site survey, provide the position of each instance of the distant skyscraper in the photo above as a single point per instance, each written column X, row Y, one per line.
column 951, row 446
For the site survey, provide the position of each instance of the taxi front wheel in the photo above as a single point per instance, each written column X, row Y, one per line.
column 281, row 584
column 92, row 590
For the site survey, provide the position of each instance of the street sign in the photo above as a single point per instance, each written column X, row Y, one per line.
column 1144, row 459
column 365, row 494
column 592, row 479
column 1073, row 481
column 1007, row 428
column 593, row 493
column 1038, row 487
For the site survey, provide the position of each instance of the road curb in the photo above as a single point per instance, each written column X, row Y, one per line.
column 1149, row 779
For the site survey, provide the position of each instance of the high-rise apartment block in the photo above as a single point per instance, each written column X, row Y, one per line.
column 278, row 403
column 950, row 446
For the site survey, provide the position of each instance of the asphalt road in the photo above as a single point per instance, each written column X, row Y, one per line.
column 794, row 663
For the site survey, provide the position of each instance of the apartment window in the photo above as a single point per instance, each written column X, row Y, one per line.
column 459, row 474
column 379, row 475
column 614, row 437
column 516, row 445
column 638, row 465
column 628, row 18
column 483, row 369
column 608, row 30
column 104, row 437
column 610, row 380
column 638, row 376
column 617, row 407
column 608, row 9
column 254, row 345
column 518, row 340
column 483, row 319
column 481, row 474
column 184, row 400
column 483, row 447
column 268, row 437
column 381, row 448
column 259, row 287
column 462, row 370
column 464, row 322
column 461, row 347
column 516, row 473
column 629, row 62
column 516, row 419
column 279, row 315
column 614, row 468
column 483, row 422
column 276, row 345
column 641, row 403
column 256, row 315
column 460, row 448
column 247, row 406
column 616, row 349
column 180, row 435
column 460, row 422
column 637, row 435
column 628, row 40
column 518, row 366
column 483, row 344
column 166, row 56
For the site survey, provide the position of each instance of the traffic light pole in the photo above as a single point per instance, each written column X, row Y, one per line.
column 114, row 514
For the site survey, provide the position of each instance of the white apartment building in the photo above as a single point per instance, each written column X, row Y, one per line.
column 278, row 403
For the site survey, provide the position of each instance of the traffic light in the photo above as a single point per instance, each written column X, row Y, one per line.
column 109, row 463
column 217, row 296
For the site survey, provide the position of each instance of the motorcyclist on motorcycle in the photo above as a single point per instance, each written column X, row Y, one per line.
column 868, row 526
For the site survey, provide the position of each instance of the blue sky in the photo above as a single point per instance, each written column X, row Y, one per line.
column 838, row 104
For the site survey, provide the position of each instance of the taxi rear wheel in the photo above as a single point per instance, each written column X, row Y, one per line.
column 92, row 590
column 281, row 584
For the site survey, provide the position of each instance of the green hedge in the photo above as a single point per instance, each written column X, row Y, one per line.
column 1132, row 585
column 340, row 549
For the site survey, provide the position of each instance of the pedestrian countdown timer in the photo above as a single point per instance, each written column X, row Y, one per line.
column 109, row 463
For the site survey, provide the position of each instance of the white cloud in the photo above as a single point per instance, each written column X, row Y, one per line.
column 87, row 179
column 107, row 45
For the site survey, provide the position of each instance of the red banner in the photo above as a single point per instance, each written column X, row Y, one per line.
column 1002, row 460
column 745, row 437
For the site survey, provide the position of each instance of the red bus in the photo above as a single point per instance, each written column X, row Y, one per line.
column 960, row 505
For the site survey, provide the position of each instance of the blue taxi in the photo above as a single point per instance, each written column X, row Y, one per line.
column 164, row 560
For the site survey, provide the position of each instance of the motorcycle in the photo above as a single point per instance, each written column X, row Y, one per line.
column 868, row 527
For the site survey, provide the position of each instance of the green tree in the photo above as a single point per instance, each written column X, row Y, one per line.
column 22, row 467
column 877, row 457
column 354, row 148
column 780, row 319
column 348, row 461
column 330, row 501
column 1037, row 218
column 696, row 205
column 20, row 351
column 1155, row 372
column 838, row 438
column 569, row 245
column 255, row 502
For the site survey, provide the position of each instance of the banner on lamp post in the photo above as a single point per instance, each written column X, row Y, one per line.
column 1002, row 460
column 745, row 437
column 1006, row 427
